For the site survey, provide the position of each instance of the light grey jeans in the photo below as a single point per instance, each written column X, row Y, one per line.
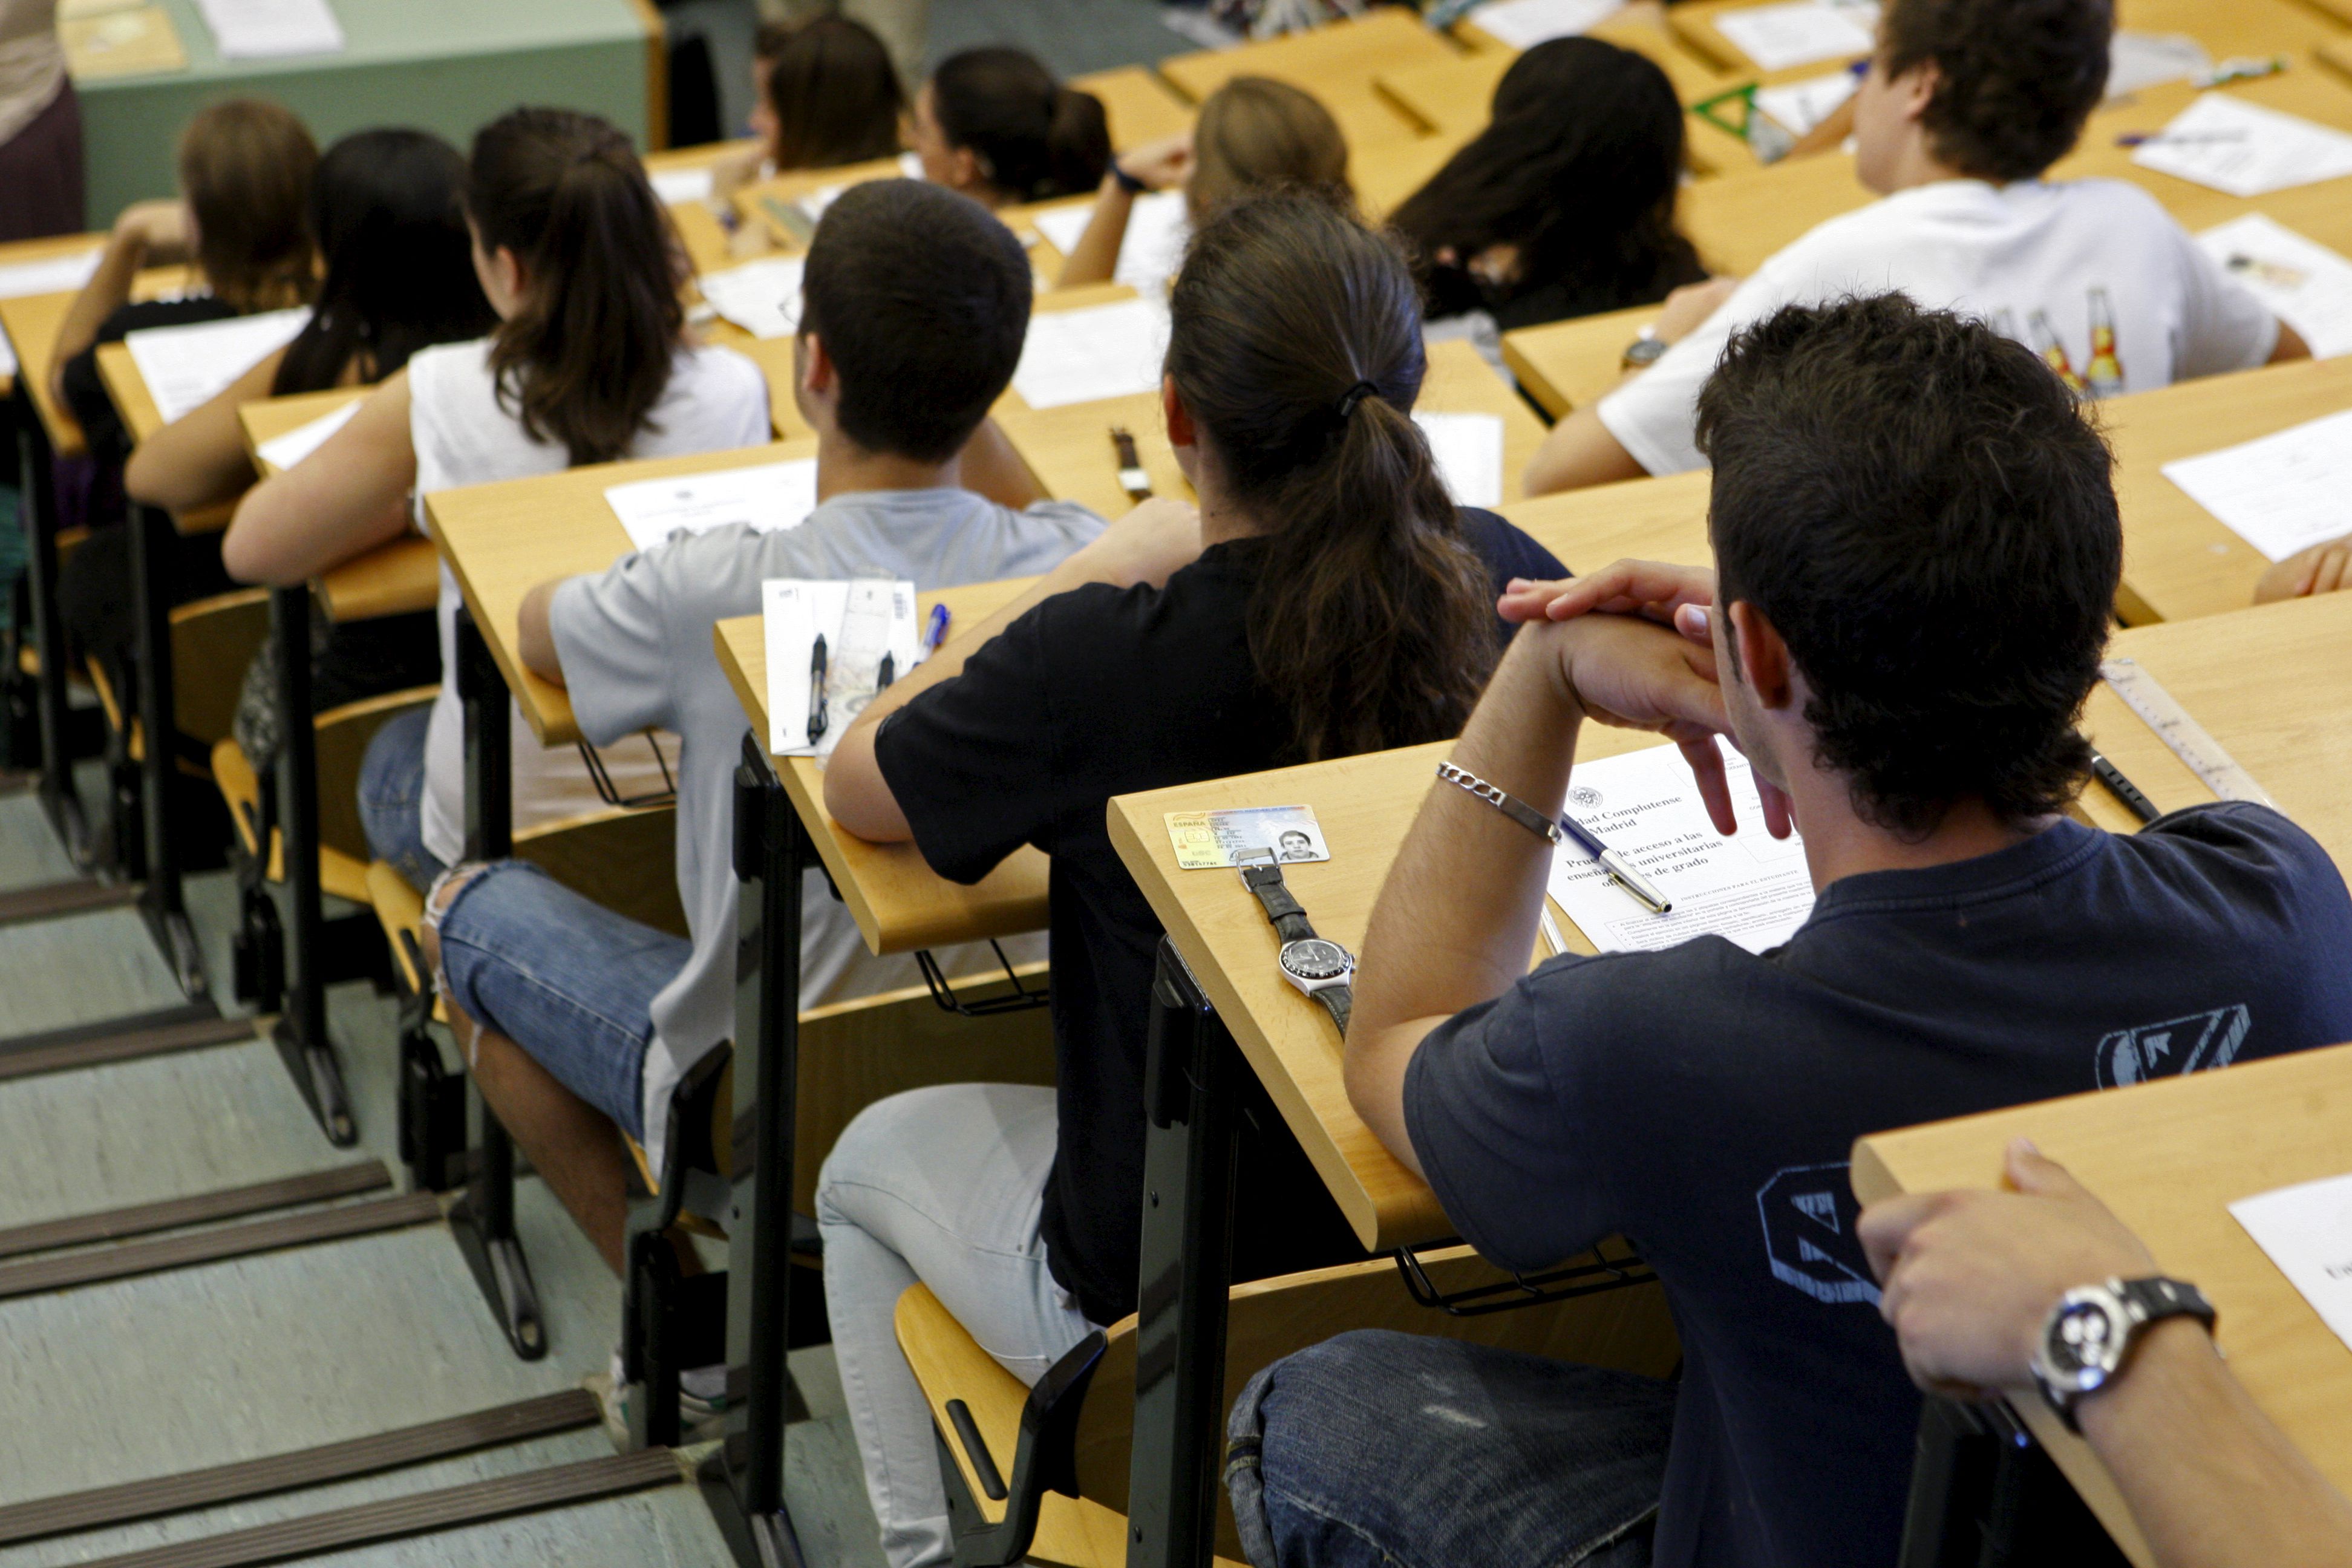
column 944, row 1185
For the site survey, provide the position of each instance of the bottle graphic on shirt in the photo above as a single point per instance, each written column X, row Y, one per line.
column 2052, row 351
column 2104, row 373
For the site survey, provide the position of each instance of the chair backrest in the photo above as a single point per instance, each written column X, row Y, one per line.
column 624, row 858
column 211, row 642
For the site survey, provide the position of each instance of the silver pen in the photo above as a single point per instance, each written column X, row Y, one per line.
column 1615, row 865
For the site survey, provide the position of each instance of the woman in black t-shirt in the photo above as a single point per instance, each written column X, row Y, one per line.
column 1326, row 599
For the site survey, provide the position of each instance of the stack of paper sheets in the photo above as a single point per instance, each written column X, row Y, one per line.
column 2281, row 493
column 282, row 452
column 1102, row 351
column 1468, row 448
column 1523, row 24
column 768, row 497
column 186, row 367
column 675, row 187
column 2245, row 149
column 866, row 629
column 1778, row 36
column 58, row 274
column 272, row 29
column 763, row 298
column 2306, row 285
column 1798, row 106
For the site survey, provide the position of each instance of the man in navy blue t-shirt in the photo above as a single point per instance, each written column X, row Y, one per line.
column 1916, row 548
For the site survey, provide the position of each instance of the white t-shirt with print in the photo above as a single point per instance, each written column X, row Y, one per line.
column 715, row 400
column 2092, row 274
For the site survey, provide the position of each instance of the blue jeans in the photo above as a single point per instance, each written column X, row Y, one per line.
column 391, row 798
column 563, row 977
column 1378, row 1449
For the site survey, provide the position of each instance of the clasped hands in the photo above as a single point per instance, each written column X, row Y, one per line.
column 1635, row 648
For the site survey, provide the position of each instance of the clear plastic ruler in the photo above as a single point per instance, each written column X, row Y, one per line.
column 2162, row 713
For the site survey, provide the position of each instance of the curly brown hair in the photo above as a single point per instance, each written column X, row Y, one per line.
column 2015, row 79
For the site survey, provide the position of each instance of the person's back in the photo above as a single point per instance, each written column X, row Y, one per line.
column 1965, row 105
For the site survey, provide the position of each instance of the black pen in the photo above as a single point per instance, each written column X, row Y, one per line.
column 816, row 719
column 887, row 673
column 2122, row 789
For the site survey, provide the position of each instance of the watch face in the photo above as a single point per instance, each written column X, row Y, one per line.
column 2084, row 1340
column 1316, row 959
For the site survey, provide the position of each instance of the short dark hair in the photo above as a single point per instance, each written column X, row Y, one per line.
column 922, row 300
column 2017, row 78
column 1927, row 515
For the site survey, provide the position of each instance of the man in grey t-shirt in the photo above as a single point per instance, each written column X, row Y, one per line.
column 579, row 1021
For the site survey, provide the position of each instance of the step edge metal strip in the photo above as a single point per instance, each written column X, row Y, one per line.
column 195, row 1035
column 129, row 1502
column 74, row 896
column 137, row 1258
column 163, row 1017
column 195, row 1208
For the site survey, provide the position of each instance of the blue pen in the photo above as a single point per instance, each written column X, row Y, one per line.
column 935, row 631
column 1614, row 864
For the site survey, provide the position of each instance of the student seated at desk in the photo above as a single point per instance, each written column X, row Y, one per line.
column 1326, row 599
column 1917, row 550
column 823, row 94
column 1564, row 205
column 996, row 125
column 388, row 207
column 914, row 305
column 1253, row 133
column 2322, row 569
column 1971, row 1283
column 591, row 363
column 1965, row 104
column 242, row 219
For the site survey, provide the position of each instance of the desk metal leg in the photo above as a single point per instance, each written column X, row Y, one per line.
column 1186, row 1269
column 745, row 1481
column 483, row 1219
column 1984, row 1495
column 152, row 535
column 59, row 799
column 301, row 1031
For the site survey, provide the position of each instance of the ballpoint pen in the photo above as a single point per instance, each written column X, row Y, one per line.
column 816, row 715
column 1615, row 866
column 2122, row 789
column 885, row 672
column 934, row 630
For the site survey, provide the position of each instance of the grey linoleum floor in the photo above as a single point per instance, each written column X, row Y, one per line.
column 154, row 1375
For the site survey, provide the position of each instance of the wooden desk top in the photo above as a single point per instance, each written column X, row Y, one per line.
column 1336, row 62
column 2337, row 53
column 2178, row 559
column 898, row 901
column 1694, row 25
column 19, row 252
column 1740, row 221
column 1068, row 449
column 398, row 578
column 763, row 202
column 1567, row 365
column 31, row 322
column 1139, row 106
column 1639, row 520
column 503, row 540
column 2322, row 211
column 774, row 358
column 2168, row 1157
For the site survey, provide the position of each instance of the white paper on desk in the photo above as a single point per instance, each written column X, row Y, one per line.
column 768, row 497
column 1751, row 889
column 1468, row 448
column 282, row 452
column 2243, row 149
column 272, row 29
column 862, row 622
column 186, row 367
column 2136, row 60
column 2306, row 1229
column 1523, row 24
column 2306, row 285
column 763, row 298
column 55, row 276
column 1157, row 228
column 1102, row 351
column 2281, row 492
column 1778, row 36
column 1798, row 106
column 677, row 186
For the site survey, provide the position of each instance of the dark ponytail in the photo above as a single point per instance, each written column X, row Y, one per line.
column 588, row 354
column 1035, row 138
column 1295, row 343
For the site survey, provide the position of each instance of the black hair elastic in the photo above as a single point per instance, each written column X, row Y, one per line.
column 1356, row 394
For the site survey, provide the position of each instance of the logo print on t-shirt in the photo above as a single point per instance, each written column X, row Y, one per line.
column 2197, row 1043
column 1808, row 1212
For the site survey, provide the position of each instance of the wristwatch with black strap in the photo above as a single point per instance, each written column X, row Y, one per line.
column 2091, row 1331
column 1319, row 967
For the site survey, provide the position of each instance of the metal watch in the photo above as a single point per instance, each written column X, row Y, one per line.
column 1643, row 351
column 2091, row 1331
column 1318, row 966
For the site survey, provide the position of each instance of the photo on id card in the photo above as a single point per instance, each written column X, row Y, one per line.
column 1206, row 840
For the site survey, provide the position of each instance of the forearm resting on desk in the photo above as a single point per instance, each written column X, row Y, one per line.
column 349, row 496
column 1580, row 451
column 199, row 460
column 535, row 633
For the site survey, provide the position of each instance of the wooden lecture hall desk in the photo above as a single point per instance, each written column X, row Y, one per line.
column 1337, row 63
column 390, row 579
column 1069, row 451
column 1572, row 364
column 32, row 252
column 2169, row 1156
column 442, row 66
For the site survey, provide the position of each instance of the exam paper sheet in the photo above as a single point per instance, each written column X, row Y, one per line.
column 1468, row 448
column 2306, row 1229
column 1152, row 248
column 272, row 29
column 1751, row 889
column 768, row 497
column 2306, row 285
column 1102, row 351
column 1798, row 106
column 763, row 298
column 186, row 367
column 862, row 622
column 677, row 186
column 2281, row 492
column 2245, row 149
column 58, row 274
column 282, row 452
column 1523, row 24
column 1778, row 36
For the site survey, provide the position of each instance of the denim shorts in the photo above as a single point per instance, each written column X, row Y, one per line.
column 563, row 977
column 391, row 798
